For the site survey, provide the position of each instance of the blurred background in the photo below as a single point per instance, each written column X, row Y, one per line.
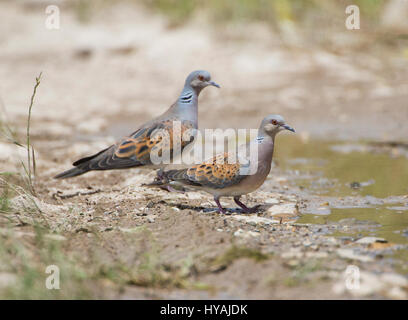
column 113, row 60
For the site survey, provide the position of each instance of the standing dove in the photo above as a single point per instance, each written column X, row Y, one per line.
column 222, row 179
column 134, row 150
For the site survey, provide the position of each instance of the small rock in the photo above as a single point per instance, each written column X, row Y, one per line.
column 350, row 254
column 355, row 185
column 194, row 196
column 271, row 201
column 284, row 208
column 332, row 241
column 254, row 220
column 292, row 253
column 369, row 240
column 317, row 255
column 307, row 243
column 293, row 263
column 245, row 234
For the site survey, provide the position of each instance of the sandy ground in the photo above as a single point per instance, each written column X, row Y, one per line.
column 102, row 79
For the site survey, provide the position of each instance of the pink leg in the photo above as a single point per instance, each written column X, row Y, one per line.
column 170, row 189
column 243, row 206
column 220, row 208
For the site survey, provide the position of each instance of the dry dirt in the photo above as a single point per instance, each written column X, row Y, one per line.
column 102, row 79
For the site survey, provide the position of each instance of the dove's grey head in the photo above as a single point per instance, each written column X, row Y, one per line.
column 273, row 124
column 199, row 79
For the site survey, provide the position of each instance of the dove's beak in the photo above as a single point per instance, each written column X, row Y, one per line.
column 212, row 83
column 288, row 128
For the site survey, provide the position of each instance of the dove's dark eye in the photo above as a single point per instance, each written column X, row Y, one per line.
column 201, row 78
column 274, row 122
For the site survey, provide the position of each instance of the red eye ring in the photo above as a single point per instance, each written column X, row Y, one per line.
column 274, row 122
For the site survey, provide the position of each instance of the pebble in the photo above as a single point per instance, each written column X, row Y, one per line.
column 285, row 208
column 332, row 240
column 292, row 253
column 271, row 201
column 245, row 234
column 350, row 254
column 369, row 240
column 254, row 220
column 317, row 255
column 307, row 243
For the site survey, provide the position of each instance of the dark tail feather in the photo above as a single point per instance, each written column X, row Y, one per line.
column 71, row 173
column 87, row 159
column 81, row 166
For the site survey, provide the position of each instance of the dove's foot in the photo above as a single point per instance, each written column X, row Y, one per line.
column 244, row 207
column 171, row 189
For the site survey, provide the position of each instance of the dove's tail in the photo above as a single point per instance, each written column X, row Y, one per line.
column 81, row 166
column 71, row 173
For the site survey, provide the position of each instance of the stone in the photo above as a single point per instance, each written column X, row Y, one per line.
column 350, row 254
column 254, row 220
column 369, row 240
column 317, row 255
column 245, row 234
column 283, row 208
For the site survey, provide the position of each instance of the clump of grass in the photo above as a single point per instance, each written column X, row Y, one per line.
column 149, row 271
column 11, row 183
column 4, row 199
column 301, row 272
column 25, row 259
column 31, row 166
column 221, row 262
column 5, row 130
